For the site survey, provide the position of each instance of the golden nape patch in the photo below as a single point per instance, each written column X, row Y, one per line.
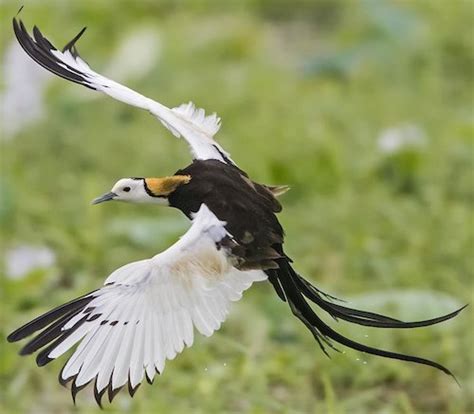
column 166, row 185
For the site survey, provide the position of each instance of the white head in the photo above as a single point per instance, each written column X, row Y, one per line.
column 144, row 190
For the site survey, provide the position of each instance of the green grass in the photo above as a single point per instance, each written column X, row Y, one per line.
column 304, row 90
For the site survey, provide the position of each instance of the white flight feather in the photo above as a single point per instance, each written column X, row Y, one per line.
column 122, row 363
column 91, row 365
column 136, row 363
column 185, row 120
column 106, row 365
column 72, row 339
column 94, row 336
column 147, row 309
column 159, row 357
column 149, row 351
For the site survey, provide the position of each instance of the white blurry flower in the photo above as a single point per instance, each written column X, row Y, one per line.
column 21, row 260
column 396, row 139
column 21, row 102
column 136, row 55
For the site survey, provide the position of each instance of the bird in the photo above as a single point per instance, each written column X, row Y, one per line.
column 147, row 311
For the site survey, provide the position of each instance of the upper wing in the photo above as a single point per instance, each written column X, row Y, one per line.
column 185, row 120
column 144, row 313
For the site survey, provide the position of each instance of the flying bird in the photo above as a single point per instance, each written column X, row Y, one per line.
column 147, row 311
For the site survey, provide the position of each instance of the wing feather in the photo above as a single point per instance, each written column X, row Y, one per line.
column 107, row 364
column 149, row 351
column 185, row 121
column 159, row 357
column 145, row 313
column 136, row 363
column 91, row 365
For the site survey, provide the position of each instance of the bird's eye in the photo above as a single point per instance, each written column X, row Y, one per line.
column 126, row 189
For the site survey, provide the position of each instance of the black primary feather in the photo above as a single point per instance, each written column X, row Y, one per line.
column 44, row 320
column 131, row 390
column 71, row 46
column 42, row 358
column 40, row 50
column 49, row 334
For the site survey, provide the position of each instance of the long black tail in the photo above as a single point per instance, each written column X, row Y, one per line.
column 294, row 289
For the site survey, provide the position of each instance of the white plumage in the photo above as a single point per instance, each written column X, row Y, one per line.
column 147, row 310
column 185, row 121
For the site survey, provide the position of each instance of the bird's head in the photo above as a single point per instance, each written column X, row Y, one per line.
column 144, row 190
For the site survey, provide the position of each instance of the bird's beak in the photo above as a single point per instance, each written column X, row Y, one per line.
column 105, row 197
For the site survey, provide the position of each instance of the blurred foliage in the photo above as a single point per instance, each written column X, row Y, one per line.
column 304, row 88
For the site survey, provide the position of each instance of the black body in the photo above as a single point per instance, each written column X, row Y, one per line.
column 249, row 210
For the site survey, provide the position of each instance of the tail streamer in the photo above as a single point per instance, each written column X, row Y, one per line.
column 294, row 289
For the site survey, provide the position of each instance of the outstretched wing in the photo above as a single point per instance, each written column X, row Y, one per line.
column 185, row 121
column 144, row 313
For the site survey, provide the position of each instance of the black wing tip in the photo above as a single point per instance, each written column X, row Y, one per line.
column 16, row 26
column 25, row 351
column 49, row 317
column 63, row 381
column 42, row 359
column 18, row 335
column 98, row 395
column 76, row 388
column 21, row 333
column 40, row 49
column 71, row 44
column 151, row 380
column 112, row 392
column 19, row 10
column 14, row 337
column 132, row 390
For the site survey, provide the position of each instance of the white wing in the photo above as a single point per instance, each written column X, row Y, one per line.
column 185, row 121
column 144, row 313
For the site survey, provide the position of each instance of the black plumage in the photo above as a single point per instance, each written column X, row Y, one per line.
column 247, row 207
column 40, row 50
column 66, row 312
column 249, row 210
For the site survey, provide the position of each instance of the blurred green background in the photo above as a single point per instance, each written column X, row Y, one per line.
column 365, row 108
